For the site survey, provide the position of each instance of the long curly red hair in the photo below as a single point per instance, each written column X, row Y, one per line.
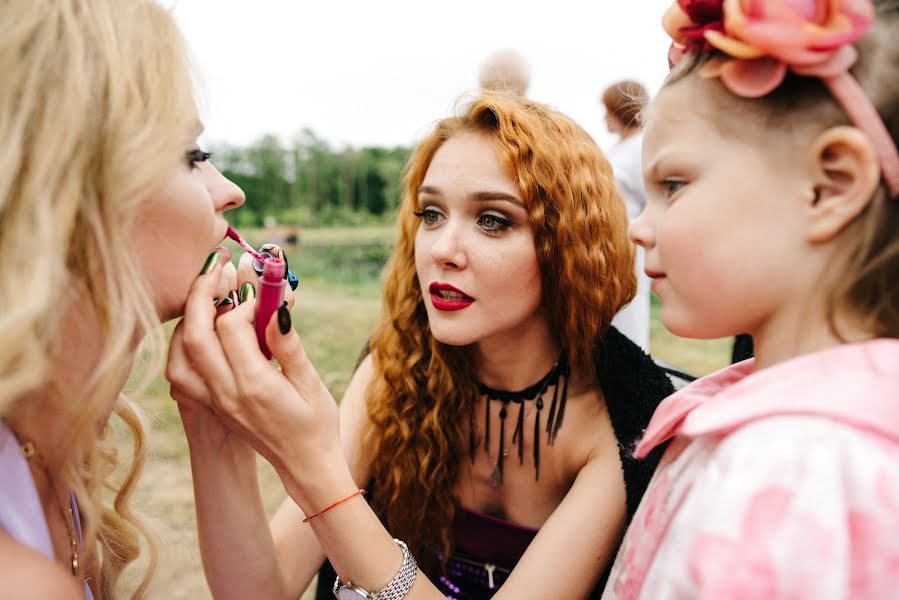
column 421, row 398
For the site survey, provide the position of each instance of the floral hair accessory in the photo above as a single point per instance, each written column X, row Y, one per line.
column 759, row 40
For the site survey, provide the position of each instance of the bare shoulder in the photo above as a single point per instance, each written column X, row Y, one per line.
column 27, row 573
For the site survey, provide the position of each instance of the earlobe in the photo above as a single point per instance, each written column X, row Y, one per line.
column 846, row 175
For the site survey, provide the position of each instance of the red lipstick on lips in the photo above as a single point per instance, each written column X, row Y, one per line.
column 448, row 298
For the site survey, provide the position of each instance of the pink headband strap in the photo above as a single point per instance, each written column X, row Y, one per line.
column 861, row 112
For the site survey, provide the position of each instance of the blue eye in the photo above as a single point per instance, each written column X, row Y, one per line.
column 197, row 156
column 428, row 216
column 493, row 223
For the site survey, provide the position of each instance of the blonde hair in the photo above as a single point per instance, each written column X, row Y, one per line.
column 420, row 401
column 96, row 105
column 863, row 275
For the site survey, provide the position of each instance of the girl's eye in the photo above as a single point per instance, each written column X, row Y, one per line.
column 429, row 216
column 493, row 223
column 672, row 186
column 197, row 156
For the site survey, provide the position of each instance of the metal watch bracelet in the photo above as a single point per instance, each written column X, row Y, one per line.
column 396, row 588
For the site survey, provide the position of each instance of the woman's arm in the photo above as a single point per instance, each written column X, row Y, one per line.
column 242, row 557
column 291, row 419
column 26, row 573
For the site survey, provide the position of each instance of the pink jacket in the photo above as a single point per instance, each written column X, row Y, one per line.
column 777, row 484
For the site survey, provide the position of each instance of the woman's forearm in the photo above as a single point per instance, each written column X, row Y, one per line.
column 359, row 548
column 236, row 545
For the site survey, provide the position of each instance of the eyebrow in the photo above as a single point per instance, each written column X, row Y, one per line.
column 483, row 196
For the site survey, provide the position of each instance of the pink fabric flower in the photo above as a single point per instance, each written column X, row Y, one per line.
column 764, row 38
column 745, row 568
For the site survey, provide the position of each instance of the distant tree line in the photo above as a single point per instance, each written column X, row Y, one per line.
column 308, row 183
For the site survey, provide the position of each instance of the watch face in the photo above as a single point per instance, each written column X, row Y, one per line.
column 346, row 593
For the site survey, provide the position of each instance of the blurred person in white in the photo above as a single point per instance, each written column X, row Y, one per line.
column 623, row 101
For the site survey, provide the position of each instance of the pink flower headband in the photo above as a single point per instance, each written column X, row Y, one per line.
column 761, row 39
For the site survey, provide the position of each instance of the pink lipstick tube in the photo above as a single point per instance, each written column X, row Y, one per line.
column 269, row 297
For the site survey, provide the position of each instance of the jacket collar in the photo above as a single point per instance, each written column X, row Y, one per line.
column 854, row 383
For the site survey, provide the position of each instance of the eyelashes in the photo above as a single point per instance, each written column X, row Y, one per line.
column 489, row 223
column 197, row 156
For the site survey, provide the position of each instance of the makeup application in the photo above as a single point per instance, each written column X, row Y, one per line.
column 259, row 258
column 242, row 243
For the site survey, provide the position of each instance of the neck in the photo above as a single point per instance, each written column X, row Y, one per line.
column 515, row 361
column 626, row 133
column 66, row 413
column 801, row 330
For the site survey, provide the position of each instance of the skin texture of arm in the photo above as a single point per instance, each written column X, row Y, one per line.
column 28, row 574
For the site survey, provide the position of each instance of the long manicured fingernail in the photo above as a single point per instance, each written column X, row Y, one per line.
column 234, row 298
column 210, row 263
column 247, row 291
column 284, row 322
column 226, row 302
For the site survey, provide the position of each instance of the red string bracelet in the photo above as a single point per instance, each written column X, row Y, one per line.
column 359, row 492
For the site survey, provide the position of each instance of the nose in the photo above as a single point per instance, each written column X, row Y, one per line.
column 448, row 248
column 642, row 229
column 226, row 195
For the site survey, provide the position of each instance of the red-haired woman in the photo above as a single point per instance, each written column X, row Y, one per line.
column 492, row 419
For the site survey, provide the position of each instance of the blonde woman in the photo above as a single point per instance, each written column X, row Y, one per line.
column 108, row 210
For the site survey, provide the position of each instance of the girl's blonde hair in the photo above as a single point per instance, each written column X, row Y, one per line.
column 96, row 106
column 865, row 270
column 420, row 402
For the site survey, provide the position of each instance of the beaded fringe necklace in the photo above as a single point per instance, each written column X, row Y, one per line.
column 556, row 377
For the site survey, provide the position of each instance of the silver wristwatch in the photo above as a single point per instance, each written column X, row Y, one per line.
column 395, row 589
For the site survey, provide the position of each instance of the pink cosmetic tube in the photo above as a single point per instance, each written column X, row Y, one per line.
column 270, row 295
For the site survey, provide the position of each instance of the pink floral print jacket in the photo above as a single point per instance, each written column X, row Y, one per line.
column 778, row 484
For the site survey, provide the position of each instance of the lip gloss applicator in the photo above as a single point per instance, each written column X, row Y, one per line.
column 243, row 244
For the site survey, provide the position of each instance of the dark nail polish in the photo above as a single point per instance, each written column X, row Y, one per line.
column 247, row 291
column 226, row 302
column 210, row 263
column 284, row 322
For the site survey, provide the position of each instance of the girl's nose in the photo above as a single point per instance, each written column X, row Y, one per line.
column 641, row 230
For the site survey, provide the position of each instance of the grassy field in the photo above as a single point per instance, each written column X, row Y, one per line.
column 337, row 305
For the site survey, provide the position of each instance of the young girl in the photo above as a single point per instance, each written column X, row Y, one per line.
column 773, row 178
column 108, row 209
column 490, row 421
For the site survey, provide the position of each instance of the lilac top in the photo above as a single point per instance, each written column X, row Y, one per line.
column 21, row 513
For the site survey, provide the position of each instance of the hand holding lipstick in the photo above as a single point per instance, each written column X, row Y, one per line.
column 217, row 369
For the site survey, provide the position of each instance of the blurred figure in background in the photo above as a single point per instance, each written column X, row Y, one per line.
column 505, row 70
column 623, row 102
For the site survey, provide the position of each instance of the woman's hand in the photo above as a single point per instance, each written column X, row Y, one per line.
column 215, row 364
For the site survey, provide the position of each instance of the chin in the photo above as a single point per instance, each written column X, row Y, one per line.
column 451, row 336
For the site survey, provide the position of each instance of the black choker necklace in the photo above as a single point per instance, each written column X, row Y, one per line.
column 557, row 375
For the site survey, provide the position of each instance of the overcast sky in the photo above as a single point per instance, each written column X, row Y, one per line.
column 380, row 73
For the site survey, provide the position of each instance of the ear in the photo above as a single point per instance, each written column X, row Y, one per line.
column 846, row 173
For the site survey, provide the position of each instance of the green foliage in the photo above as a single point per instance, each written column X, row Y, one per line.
column 308, row 183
